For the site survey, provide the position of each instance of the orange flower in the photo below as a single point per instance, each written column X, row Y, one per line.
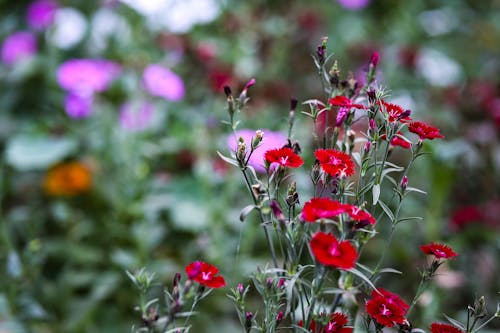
column 68, row 179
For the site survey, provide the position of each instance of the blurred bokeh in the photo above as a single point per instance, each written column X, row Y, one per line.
column 110, row 120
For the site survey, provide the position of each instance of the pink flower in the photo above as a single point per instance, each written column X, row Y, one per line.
column 162, row 82
column 40, row 14
column 354, row 4
column 136, row 117
column 87, row 75
column 19, row 46
column 78, row 105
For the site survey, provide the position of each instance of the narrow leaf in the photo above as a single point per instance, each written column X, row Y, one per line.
column 455, row 322
column 228, row 159
column 387, row 210
column 376, row 193
column 363, row 277
column 245, row 211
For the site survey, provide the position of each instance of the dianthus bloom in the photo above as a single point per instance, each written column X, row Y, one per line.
column 398, row 140
column 330, row 252
column 395, row 112
column 41, row 13
column 325, row 208
column 87, row 75
column 283, row 156
column 440, row 251
column 68, row 179
column 336, row 324
column 321, row 208
column 387, row 308
column 205, row 274
column 18, row 46
column 162, row 82
column 270, row 140
column 444, row 328
column 424, row 131
column 335, row 163
column 344, row 102
column 136, row 117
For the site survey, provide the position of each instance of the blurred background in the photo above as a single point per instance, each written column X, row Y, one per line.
column 110, row 120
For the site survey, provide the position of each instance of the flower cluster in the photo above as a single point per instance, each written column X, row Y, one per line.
column 325, row 208
column 386, row 308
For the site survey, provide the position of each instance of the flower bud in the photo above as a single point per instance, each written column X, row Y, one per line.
column 367, row 147
column 372, row 124
column 241, row 290
column 243, row 96
column 177, row 278
column 404, row 114
column 248, row 320
column 279, row 317
column 374, row 59
column 241, row 150
column 227, row 91
column 372, row 96
column 404, row 182
column 277, row 212
column 341, row 116
column 281, row 283
column 257, row 139
column 269, row 283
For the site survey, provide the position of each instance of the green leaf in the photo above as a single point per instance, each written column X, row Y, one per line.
column 455, row 322
column 27, row 153
column 245, row 211
column 419, row 218
column 387, row 210
column 228, row 159
column 376, row 193
column 390, row 270
column 414, row 189
column 362, row 276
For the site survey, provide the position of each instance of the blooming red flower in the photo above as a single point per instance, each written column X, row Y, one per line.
column 283, row 156
column 335, row 324
column 398, row 140
column 321, row 208
column 344, row 102
column 387, row 308
column 330, row 252
column 444, row 328
column 335, row 163
column 395, row 112
column 438, row 250
column 359, row 214
column 205, row 274
column 424, row 131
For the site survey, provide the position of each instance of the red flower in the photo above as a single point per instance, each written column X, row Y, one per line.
column 335, row 163
column 398, row 140
column 444, row 328
column 359, row 214
column 466, row 215
column 283, row 156
column 424, row 131
column 330, row 252
column 438, row 250
column 336, row 324
column 344, row 102
column 321, row 208
column 325, row 208
column 387, row 308
column 395, row 112
column 205, row 274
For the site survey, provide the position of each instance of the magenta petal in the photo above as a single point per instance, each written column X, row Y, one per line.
column 162, row 82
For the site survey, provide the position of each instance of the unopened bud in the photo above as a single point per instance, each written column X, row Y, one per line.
column 269, row 283
column 480, row 307
column 367, row 147
column 342, row 114
column 372, row 96
column 374, row 59
column 241, row 151
column 243, row 95
column 257, row 139
column 227, row 91
column 279, row 317
column 404, row 182
column 241, row 290
column 248, row 320
column 277, row 212
column 372, row 124
column 177, row 278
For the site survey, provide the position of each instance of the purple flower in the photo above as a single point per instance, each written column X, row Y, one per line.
column 136, row 117
column 78, row 105
column 162, row 82
column 40, row 14
column 341, row 116
column 270, row 140
column 354, row 4
column 87, row 75
column 18, row 46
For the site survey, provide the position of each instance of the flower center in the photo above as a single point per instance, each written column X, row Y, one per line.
column 385, row 311
column 334, row 250
column 206, row 276
column 283, row 160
